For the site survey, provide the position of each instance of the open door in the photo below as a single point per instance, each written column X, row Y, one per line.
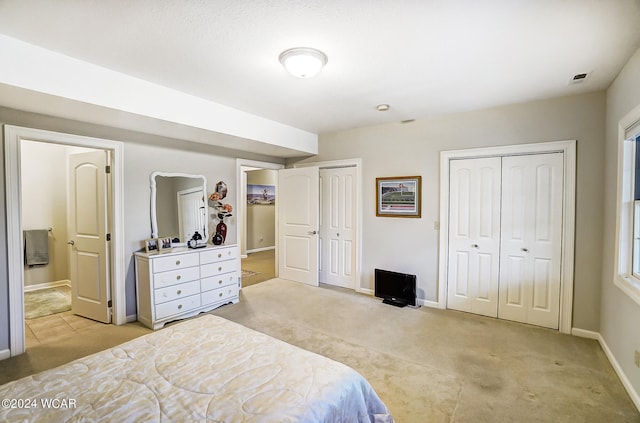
column 87, row 230
column 298, row 208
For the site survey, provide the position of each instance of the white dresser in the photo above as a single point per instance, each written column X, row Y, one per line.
column 184, row 282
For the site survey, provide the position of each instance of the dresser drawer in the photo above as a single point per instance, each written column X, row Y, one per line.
column 219, row 254
column 161, row 280
column 212, row 269
column 163, row 264
column 177, row 306
column 220, row 294
column 175, row 292
column 207, row 284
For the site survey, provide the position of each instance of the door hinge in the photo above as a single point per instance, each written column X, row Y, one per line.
column 108, row 237
column 107, row 169
column 110, row 303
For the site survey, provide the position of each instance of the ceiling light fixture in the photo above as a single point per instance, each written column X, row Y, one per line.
column 382, row 107
column 303, row 62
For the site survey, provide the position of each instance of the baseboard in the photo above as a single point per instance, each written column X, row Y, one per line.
column 614, row 363
column 47, row 285
column 257, row 250
column 4, row 354
column 365, row 291
column 582, row 333
column 428, row 303
column 132, row 318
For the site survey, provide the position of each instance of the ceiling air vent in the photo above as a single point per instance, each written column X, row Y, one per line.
column 578, row 78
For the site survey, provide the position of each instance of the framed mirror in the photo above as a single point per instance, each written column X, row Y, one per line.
column 178, row 206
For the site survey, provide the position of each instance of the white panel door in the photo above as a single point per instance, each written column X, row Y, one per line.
column 474, row 235
column 87, row 230
column 337, row 227
column 532, row 195
column 191, row 213
column 298, row 205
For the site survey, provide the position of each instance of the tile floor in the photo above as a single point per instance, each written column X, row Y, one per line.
column 55, row 327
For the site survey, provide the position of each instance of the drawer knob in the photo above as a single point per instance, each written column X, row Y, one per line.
column 177, row 262
column 219, row 255
column 179, row 306
column 179, row 291
column 178, row 277
column 219, row 268
column 220, row 294
column 220, row 282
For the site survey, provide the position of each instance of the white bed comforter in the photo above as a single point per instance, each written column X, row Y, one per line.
column 203, row 370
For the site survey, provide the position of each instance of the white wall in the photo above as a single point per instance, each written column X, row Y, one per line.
column 140, row 161
column 261, row 219
column 143, row 153
column 620, row 316
column 44, row 205
column 411, row 245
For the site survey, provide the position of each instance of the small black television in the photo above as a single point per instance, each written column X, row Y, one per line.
column 398, row 289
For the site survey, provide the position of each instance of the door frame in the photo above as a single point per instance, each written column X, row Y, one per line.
column 242, row 166
column 12, row 137
column 568, row 148
column 357, row 163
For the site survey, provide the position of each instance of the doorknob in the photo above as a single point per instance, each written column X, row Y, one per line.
column 71, row 242
column 526, row 250
column 475, row 246
column 312, row 232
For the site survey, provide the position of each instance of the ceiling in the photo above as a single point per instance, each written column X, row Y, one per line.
column 424, row 58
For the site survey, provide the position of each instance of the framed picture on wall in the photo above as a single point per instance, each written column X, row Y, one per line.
column 398, row 196
column 261, row 194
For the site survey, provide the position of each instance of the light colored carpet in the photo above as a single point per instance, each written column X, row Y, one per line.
column 44, row 302
column 427, row 365
column 431, row 365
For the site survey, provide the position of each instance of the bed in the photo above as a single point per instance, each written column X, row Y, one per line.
column 207, row 369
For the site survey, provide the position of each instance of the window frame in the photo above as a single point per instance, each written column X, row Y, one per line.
column 625, row 278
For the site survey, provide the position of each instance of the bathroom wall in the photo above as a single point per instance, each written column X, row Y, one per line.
column 44, row 206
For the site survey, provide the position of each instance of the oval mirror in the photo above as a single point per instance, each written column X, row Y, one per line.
column 178, row 205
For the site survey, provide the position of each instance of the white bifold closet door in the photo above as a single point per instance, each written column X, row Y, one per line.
column 474, row 235
column 531, row 240
column 505, row 234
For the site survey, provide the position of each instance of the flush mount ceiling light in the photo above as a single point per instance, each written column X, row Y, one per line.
column 303, row 62
column 382, row 107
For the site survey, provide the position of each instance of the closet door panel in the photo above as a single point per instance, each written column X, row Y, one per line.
column 532, row 188
column 542, row 284
column 474, row 235
column 513, row 285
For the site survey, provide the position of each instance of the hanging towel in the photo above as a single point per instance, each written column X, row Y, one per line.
column 36, row 247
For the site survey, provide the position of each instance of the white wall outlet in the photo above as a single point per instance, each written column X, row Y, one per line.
column 637, row 358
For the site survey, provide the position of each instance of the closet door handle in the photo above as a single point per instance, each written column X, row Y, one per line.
column 526, row 250
column 72, row 242
column 475, row 246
